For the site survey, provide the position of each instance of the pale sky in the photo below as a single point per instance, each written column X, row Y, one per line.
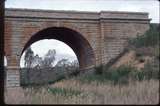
column 63, row 51
column 150, row 6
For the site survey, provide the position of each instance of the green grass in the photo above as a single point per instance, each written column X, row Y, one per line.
column 151, row 69
column 91, row 77
column 122, row 74
column 118, row 75
column 63, row 91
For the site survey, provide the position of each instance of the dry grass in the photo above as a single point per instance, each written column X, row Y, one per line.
column 145, row 92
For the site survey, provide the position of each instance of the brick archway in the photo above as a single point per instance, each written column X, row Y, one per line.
column 72, row 38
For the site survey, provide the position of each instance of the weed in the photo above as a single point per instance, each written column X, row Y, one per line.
column 151, row 69
column 118, row 75
column 122, row 74
column 99, row 69
column 63, row 91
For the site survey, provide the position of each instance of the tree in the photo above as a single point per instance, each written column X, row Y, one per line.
column 149, row 38
column 75, row 64
column 62, row 63
column 37, row 62
column 65, row 63
column 29, row 56
column 49, row 58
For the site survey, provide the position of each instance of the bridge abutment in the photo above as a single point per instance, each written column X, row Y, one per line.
column 12, row 78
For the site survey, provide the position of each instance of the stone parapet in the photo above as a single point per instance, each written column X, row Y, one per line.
column 123, row 15
column 59, row 14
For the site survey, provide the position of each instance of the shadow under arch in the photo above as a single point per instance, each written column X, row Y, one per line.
column 72, row 38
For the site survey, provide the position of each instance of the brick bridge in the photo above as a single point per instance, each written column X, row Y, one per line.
column 95, row 37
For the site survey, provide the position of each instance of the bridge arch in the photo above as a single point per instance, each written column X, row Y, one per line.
column 72, row 38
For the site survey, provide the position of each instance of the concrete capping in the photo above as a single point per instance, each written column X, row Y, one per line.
column 125, row 20
column 50, row 14
column 49, row 11
column 95, row 21
column 59, row 14
column 123, row 15
column 12, row 67
column 123, row 12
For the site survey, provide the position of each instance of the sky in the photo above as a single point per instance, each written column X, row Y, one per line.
column 150, row 6
column 41, row 48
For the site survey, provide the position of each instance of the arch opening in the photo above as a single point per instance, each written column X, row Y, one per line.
column 42, row 49
column 73, row 39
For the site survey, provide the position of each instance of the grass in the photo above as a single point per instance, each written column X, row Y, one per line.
column 144, row 92
column 63, row 91
column 122, row 85
column 122, row 75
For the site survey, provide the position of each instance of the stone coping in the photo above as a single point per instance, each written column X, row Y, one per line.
column 12, row 67
column 61, row 14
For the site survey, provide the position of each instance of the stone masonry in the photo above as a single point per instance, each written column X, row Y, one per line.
column 95, row 37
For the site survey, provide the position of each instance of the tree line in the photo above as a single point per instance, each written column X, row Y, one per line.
column 35, row 61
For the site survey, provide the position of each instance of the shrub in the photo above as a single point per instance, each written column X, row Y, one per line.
column 90, row 78
column 119, row 75
column 115, row 75
column 156, row 52
column 122, row 74
column 99, row 69
column 34, row 76
column 149, row 38
column 63, row 91
column 140, row 75
column 151, row 69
